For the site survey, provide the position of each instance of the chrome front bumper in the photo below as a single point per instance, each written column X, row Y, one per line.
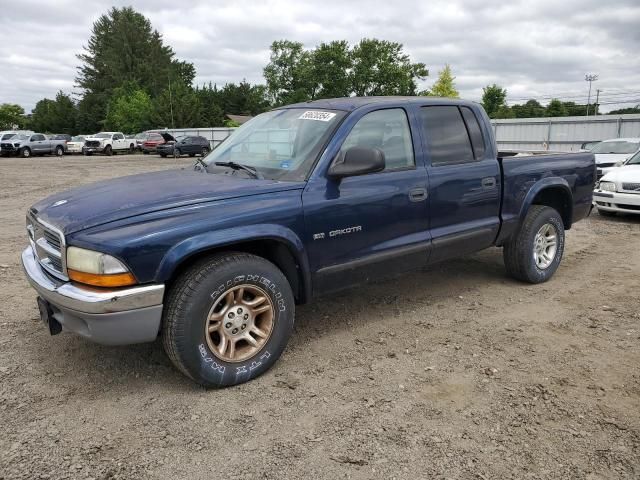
column 114, row 317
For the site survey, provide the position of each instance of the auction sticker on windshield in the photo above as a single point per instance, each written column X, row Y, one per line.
column 316, row 115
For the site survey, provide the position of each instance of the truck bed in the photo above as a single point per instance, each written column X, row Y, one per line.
column 519, row 173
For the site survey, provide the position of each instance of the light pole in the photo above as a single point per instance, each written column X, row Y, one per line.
column 590, row 77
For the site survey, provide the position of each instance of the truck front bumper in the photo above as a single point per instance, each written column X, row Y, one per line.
column 109, row 316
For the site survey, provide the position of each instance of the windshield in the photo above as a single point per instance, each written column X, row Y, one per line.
column 7, row 136
column 102, row 135
column 620, row 147
column 281, row 144
column 141, row 136
column 19, row 136
column 635, row 160
column 77, row 138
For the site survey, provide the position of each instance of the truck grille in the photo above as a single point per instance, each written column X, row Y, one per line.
column 48, row 245
column 631, row 187
column 92, row 143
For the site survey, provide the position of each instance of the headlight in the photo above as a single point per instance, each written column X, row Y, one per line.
column 608, row 186
column 98, row 269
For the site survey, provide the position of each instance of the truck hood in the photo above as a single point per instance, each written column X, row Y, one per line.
column 96, row 138
column 98, row 203
column 626, row 173
column 611, row 157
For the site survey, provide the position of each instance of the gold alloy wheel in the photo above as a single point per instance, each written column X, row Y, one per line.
column 239, row 323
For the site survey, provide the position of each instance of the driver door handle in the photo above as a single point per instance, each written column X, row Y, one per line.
column 418, row 194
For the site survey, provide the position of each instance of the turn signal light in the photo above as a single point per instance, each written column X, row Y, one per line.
column 97, row 280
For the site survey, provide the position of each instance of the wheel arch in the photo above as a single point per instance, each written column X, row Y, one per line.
column 284, row 251
column 551, row 192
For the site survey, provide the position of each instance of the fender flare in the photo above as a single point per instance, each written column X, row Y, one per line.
column 197, row 244
column 545, row 184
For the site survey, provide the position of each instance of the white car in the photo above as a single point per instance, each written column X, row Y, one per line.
column 108, row 143
column 613, row 153
column 75, row 144
column 619, row 190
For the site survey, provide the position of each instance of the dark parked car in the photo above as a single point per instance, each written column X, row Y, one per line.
column 189, row 145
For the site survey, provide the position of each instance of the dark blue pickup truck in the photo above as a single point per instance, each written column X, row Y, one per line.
column 299, row 202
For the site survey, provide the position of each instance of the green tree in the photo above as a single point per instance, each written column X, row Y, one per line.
column 289, row 73
column 494, row 98
column 622, row 111
column 124, row 47
column 129, row 110
column 444, row 85
column 55, row 116
column 381, row 67
column 178, row 106
column 531, row 109
column 331, row 70
column 11, row 116
column 504, row 112
column 556, row 109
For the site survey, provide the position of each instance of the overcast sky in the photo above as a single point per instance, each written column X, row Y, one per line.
column 534, row 48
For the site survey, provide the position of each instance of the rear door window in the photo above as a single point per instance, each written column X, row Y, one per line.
column 446, row 134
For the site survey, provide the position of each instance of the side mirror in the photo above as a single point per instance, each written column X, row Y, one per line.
column 357, row 161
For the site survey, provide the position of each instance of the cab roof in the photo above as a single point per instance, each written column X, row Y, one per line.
column 352, row 103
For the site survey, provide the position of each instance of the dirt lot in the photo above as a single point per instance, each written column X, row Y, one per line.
column 452, row 372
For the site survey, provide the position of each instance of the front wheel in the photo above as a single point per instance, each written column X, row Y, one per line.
column 534, row 253
column 108, row 151
column 228, row 319
column 204, row 152
column 25, row 152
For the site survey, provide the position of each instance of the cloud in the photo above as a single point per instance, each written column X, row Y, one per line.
column 534, row 49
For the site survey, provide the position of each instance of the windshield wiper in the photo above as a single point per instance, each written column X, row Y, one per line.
column 239, row 166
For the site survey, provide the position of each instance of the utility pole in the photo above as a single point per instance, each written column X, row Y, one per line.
column 590, row 77
column 597, row 100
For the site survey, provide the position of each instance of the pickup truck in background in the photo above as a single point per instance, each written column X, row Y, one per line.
column 27, row 145
column 108, row 143
column 299, row 202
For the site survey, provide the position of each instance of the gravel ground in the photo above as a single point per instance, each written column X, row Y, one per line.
column 451, row 372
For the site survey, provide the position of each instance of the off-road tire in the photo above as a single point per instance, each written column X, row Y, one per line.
column 518, row 253
column 190, row 300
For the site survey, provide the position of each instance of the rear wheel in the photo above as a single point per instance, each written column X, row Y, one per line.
column 228, row 319
column 59, row 151
column 132, row 148
column 534, row 253
column 176, row 152
column 205, row 151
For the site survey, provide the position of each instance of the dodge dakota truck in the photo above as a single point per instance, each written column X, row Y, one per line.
column 299, row 202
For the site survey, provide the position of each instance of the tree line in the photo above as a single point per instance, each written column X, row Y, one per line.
column 131, row 81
